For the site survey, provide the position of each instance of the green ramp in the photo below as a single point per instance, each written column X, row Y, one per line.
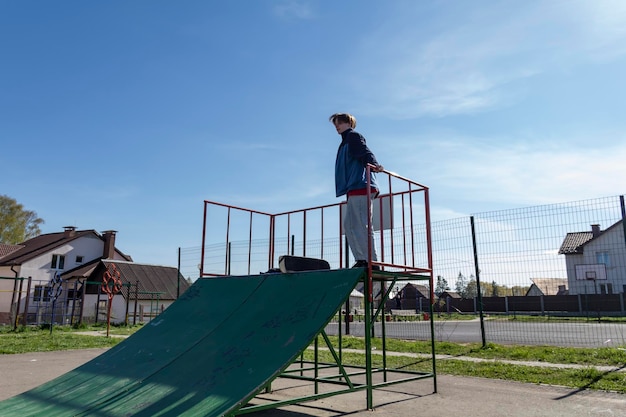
column 210, row 352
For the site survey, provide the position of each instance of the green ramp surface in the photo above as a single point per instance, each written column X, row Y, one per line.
column 211, row 351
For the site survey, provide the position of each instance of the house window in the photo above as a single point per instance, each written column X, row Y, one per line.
column 606, row 288
column 79, row 259
column 58, row 262
column 603, row 258
column 42, row 293
column 102, row 308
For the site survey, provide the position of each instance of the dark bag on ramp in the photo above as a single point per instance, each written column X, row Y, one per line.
column 288, row 263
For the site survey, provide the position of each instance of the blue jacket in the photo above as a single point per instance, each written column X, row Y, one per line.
column 352, row 157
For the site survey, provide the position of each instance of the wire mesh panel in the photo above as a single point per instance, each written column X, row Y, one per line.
column 554, row 263
column 538, row 249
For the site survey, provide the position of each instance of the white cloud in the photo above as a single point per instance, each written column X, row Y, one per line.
column 293, row 9
column 522, row 174
column 438, row 213
column 474, row 57
column 601, row 27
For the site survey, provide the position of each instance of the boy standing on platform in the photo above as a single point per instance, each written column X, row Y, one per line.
column 353, row 156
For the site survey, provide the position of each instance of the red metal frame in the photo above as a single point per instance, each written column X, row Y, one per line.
column 407, row 247
column 391, row 270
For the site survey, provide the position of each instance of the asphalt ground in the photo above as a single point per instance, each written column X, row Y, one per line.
column 456, row 396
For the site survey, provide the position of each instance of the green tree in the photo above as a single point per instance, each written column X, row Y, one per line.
column 485, row 289
column 518, row 290
column 461, row 285
column 442, row 285
column 496, row 289
column 16, row 223
column 471, row 290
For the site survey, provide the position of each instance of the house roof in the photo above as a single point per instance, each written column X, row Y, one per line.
column 7, row 249
column 422, row 289
column 152, row 279
column 357, row 293
column 451, row 294
column 82, row 271
column 548, row 286
column 41, row 244
column 574, row 242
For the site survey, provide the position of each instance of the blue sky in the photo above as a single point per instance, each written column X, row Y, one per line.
column 127, row 115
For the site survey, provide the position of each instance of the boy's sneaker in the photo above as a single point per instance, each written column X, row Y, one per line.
column 363, row 264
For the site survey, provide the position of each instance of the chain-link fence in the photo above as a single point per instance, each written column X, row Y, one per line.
column 562, row 263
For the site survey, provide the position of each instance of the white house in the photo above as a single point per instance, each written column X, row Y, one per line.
column 146, row 290
column 596, row 260
column 78, row 259
column 356, row 300
column 547, row 286
column 43, row 257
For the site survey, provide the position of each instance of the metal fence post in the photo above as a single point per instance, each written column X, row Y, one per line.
column 477, row 271
column 26, row 301
column 623, row 211
column 136, row 302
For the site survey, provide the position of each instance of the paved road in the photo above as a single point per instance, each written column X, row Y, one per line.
column 588, row 334
column 456, row 396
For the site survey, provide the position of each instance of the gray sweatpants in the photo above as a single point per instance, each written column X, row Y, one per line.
column 355, row 227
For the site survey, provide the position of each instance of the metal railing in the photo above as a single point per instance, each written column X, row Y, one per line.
column 405, row 254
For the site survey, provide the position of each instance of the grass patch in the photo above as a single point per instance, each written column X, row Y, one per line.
column 588, row 378
column 43, row 341
column 120, row 329
column 548, row 354
column 552, row 318
column 38, row 338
